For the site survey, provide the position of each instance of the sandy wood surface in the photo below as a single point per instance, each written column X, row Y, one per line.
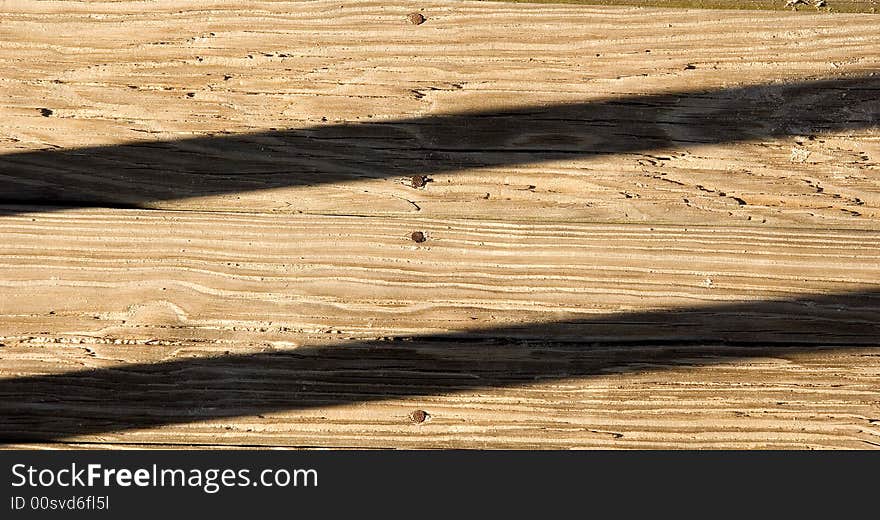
column 639, row 227
column 801, row 6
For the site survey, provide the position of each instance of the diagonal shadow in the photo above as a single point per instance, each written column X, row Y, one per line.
column 137, row 174
column 52, row 407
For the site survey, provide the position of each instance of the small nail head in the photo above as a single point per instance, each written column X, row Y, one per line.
column 419, row 416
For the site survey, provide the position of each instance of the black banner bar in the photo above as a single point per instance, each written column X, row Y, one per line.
column 226, row 484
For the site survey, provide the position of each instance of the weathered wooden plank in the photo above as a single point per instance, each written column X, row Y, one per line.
column 701, row 399
column 517, row 322
column 208, row 328
column 606, row 114
column 202, row 275
column 844, row 6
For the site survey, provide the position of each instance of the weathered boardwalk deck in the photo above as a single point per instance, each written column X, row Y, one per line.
column 639, row 228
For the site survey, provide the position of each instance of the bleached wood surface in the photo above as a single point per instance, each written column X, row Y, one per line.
column 674, row 248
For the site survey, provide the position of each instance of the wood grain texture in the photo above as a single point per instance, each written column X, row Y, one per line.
column 329, row 109
column 330, row 331
column 844, row 6
column 187, row 275
column 643, row 228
